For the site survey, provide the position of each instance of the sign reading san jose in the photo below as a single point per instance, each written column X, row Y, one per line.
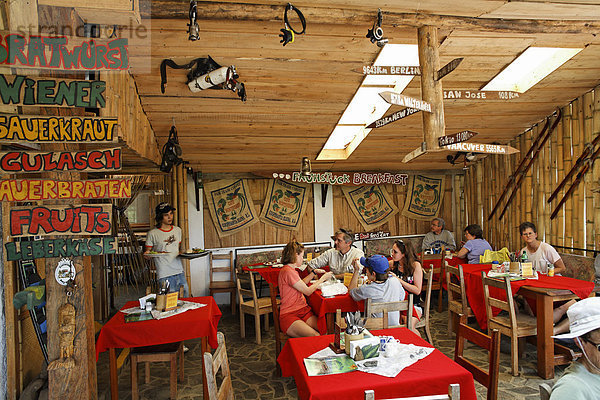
column 81, row 161
column 90, row 219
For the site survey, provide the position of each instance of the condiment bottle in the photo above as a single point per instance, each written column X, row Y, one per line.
column 550, row 269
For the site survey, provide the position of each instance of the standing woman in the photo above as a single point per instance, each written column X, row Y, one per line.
column 405, row 266
column 296, row 318
column 475, row 246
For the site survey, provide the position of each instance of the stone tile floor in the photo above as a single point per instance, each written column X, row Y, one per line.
column 252, row 367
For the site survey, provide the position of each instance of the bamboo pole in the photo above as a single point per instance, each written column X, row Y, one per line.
column 560, row 174
column 552, row 182
column 596, row 169
column 186, row 226
column 567, row 138
column 514, row 212
column 527, row 190
column 588, row 114
column 577, row 198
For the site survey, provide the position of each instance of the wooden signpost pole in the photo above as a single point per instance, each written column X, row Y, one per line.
column 431, row 88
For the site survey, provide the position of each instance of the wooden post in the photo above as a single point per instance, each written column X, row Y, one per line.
column 576, row 199
column 567, row 140
column 431, row 89
column 588, row 104
column 596, row 170
column 554, row 170
column 560, row 162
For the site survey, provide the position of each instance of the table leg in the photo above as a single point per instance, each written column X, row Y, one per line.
column 204, row 348
column 545, row 343
column 114, row 379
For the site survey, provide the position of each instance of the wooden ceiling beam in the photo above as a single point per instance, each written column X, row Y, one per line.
column 321, row 15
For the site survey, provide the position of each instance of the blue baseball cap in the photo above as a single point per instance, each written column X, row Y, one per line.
column 378, row 262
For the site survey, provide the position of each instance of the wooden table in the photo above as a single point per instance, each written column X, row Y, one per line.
column 428, row 376
column 116, row 333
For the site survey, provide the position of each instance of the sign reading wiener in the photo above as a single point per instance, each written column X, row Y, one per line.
column 80, row 161
column 89, row 219
column 45, row 189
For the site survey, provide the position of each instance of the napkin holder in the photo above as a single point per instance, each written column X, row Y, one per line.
column 166, row 302
column 336, row 345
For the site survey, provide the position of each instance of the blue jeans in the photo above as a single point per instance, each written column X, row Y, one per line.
column 175, row 281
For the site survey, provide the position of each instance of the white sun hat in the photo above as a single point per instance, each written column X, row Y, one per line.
column 584, row 317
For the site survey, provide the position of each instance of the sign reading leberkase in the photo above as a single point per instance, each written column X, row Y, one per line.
column 43, row 189
column 91, row 219
column 50, row 248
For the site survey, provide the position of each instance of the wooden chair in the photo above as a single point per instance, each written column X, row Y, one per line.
column 225, row 286
column 491, row 343
column 280, row 337
column 545, row 390
column 250, row 303
column 378, row 308
column 514, row 325
column 162, row 352
column 457, row 295
column 429, row 261
column 453, row 394
column 212, row 364
column 424, row 322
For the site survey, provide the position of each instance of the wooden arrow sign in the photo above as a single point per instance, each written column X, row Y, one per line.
column 456, row 138
column 402, row 100
column 482, row 148
column 462, row 94
column 391, row 70
column 398, row 115
column 446, row 69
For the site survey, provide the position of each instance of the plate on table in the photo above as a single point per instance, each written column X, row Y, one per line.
column 157, row 254
column 192, row 255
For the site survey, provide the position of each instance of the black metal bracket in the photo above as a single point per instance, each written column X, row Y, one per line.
column 324, row 188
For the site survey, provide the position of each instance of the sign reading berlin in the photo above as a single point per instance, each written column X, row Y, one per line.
column 82, row 161
column 33, row 128
column 63, row 52
column 41, row 189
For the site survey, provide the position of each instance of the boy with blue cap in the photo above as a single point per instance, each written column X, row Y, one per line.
column 381, row 288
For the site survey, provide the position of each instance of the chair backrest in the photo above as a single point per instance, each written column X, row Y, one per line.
column 213, row 363
column 545, row 390
column 507, row 305
column 245, row 287
column 491, row 343
column 217, row 269
column 437, row 262
column 453, row 394
column 427, row 277
column 456, row 287
column 385, row 308
column 274, row 291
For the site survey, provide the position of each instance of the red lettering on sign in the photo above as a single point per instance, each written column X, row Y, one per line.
column 65, row 224
column 18, row 218
column 40, row 218
column 8, row 162
column 93, row 160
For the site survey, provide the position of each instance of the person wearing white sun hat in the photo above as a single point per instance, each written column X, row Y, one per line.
column 581, row 380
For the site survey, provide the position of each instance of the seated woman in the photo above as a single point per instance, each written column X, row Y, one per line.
column 475, row 246
column 382, row 287
column 409, row 271
column 296, row 318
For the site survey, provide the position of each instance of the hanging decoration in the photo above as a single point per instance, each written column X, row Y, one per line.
column 230, row 206
column 288, row 33
column 285, row 204
column 424, row 197
column 372, row 205
column 66, row 322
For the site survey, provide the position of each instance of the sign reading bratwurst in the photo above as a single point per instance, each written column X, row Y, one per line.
column 90, row 219
column 81, row 161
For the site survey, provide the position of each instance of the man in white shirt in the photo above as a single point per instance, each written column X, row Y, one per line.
column 339, row 258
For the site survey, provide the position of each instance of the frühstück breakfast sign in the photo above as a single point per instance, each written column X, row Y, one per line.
column 50, row 92
column 63, row 52
column 44, row 189
column 53, row 129
column 80, row 161
column 90, row 219
column 349, row 178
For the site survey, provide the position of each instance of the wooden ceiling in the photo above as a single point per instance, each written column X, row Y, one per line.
column 297, row 93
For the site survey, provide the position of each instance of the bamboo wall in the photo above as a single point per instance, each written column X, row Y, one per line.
column 264, row 234
column 574, row 225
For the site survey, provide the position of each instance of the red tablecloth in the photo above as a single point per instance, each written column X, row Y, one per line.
column 474, row 288
column 116, row 333
column 321, row 306
column 429, row 376
column 271, row 274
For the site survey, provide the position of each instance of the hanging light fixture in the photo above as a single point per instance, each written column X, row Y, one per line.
column 305, row 167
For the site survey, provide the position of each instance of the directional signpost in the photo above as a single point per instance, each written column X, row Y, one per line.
column 398, row 115
column 462, row 94
column 456, row 138
column 482, row 148
column 391, row 70
column 402, row 100
column 446, row 69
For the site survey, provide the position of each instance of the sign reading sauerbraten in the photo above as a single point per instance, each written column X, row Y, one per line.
column 63, row 52
column 92, row 219
column 44, row 189
column 80, row 161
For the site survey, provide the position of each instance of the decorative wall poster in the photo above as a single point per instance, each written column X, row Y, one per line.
column 424, row 197
column 53, row 129
column 81, row 161
column 51, row 92
column 43, row 189
column 50, row 248
column 372, row 205
column 230, row 206
column 285, row 204
column 63, row 52
column 91, row 219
